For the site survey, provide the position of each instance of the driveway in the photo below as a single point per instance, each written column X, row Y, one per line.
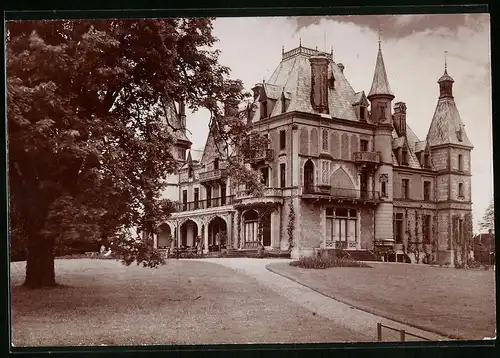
column 349, row 317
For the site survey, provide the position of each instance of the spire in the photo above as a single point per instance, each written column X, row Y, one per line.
column 380, row 84
column 379, row 42
column 445, row 82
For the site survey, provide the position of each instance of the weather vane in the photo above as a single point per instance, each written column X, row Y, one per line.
column 379, row 31
column 445, row 63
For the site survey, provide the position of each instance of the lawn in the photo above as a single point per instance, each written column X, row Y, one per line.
column 447, row 301
column 102, row 302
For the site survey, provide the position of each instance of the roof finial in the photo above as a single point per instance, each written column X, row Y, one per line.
column 282, row 50
column 300, row 42
column 379, row 42
column 445, row 62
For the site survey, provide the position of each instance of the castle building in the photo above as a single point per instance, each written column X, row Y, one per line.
column 343, row 170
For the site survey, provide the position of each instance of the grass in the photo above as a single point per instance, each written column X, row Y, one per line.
column 101, row 302
column 447, row 301
column 321, row 263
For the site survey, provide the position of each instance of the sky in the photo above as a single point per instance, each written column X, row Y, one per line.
column 413, row 47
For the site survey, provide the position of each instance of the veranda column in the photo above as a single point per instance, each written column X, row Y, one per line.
column 205, row 239
column 229, row 231
column 155, row 241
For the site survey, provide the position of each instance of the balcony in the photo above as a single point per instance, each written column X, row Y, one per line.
column 266, row 155
column 205, row 204
column 367, row 157
column 212, row 175
column 268, row 192
column 325, row 192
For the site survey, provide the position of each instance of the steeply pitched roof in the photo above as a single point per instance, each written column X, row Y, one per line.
column 412, row 137
column 445, row 124
column 293, row 78
column 380, row 84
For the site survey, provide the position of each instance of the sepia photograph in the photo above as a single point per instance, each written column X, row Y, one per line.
column 250, row 180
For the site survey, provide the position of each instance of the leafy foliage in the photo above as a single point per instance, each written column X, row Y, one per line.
column 322, row 263
column 488, row 221
column 291, row 225
column 92, row 117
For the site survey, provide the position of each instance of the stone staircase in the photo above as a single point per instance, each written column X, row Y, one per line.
column 363, row 255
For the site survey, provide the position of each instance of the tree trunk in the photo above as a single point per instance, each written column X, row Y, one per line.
column 40, row 270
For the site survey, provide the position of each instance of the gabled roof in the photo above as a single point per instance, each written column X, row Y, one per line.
column 445, row 124
column 412, row 137
column 380, row 83
column 173, row 120
column 420, row 146
column 360, row 98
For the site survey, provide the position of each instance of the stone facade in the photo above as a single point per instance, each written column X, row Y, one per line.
column 356, row 175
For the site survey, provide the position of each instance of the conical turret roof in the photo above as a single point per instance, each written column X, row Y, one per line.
column 380, row 84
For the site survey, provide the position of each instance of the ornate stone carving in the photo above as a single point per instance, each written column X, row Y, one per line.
column 384, row 178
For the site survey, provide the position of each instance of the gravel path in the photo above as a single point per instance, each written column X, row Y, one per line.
column 351, row 318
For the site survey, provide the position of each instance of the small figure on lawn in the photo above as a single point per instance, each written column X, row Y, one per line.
column 102, row 251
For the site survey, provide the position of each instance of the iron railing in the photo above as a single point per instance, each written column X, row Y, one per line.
column 265, row 154
column 341, row 193
column 367, row 157
column 267, row 192
column 206, row 203
column 212, row 174
column 402, row 333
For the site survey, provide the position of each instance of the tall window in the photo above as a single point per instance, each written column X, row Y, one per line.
column 282, row 139
column 341, row 226
column 190, row 172
column 426, row 229
column 263, row 110
column 325, row 140
column 404, row 156
column 209, row 196
column 460, row 190
column 196, row 197
column 427, row 190
column 181, row 152
column 427, row 162
column 362, row 113
column 184, row 199
column 266, row 137
column 405, row 188
column 363, row 145
column 265, row 176
column 460, row 162
column 223, row 194
column 398, row 222
column 383, row 187
column 216, row 163
column 282, row 175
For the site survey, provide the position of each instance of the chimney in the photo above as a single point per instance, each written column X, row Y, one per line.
column 400, row 118
column 256, row 90
column 319, row 83
column 341, row 67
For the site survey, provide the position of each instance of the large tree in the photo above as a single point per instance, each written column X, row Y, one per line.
column 90, row 105
column 488, row 222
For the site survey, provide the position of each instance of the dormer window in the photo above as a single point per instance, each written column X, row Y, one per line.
column 331, row 81
column 263, row 110
column 404, row 156
column 427, row 162
column 459, row 134
column 283, row 104
column 190, row 172
column 362, row 113
column 216, row 163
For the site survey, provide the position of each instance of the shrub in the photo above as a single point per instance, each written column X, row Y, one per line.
column 322, row 263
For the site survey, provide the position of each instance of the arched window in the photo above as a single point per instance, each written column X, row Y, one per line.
column 309, row 176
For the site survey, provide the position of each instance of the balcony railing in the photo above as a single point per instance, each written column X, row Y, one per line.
column 263, row 155
column 269, row 192
column 341, row 193
column 206, row 203
column 212, row 174
column 367, row 157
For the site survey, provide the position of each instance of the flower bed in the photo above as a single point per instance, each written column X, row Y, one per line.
column 322, row 263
